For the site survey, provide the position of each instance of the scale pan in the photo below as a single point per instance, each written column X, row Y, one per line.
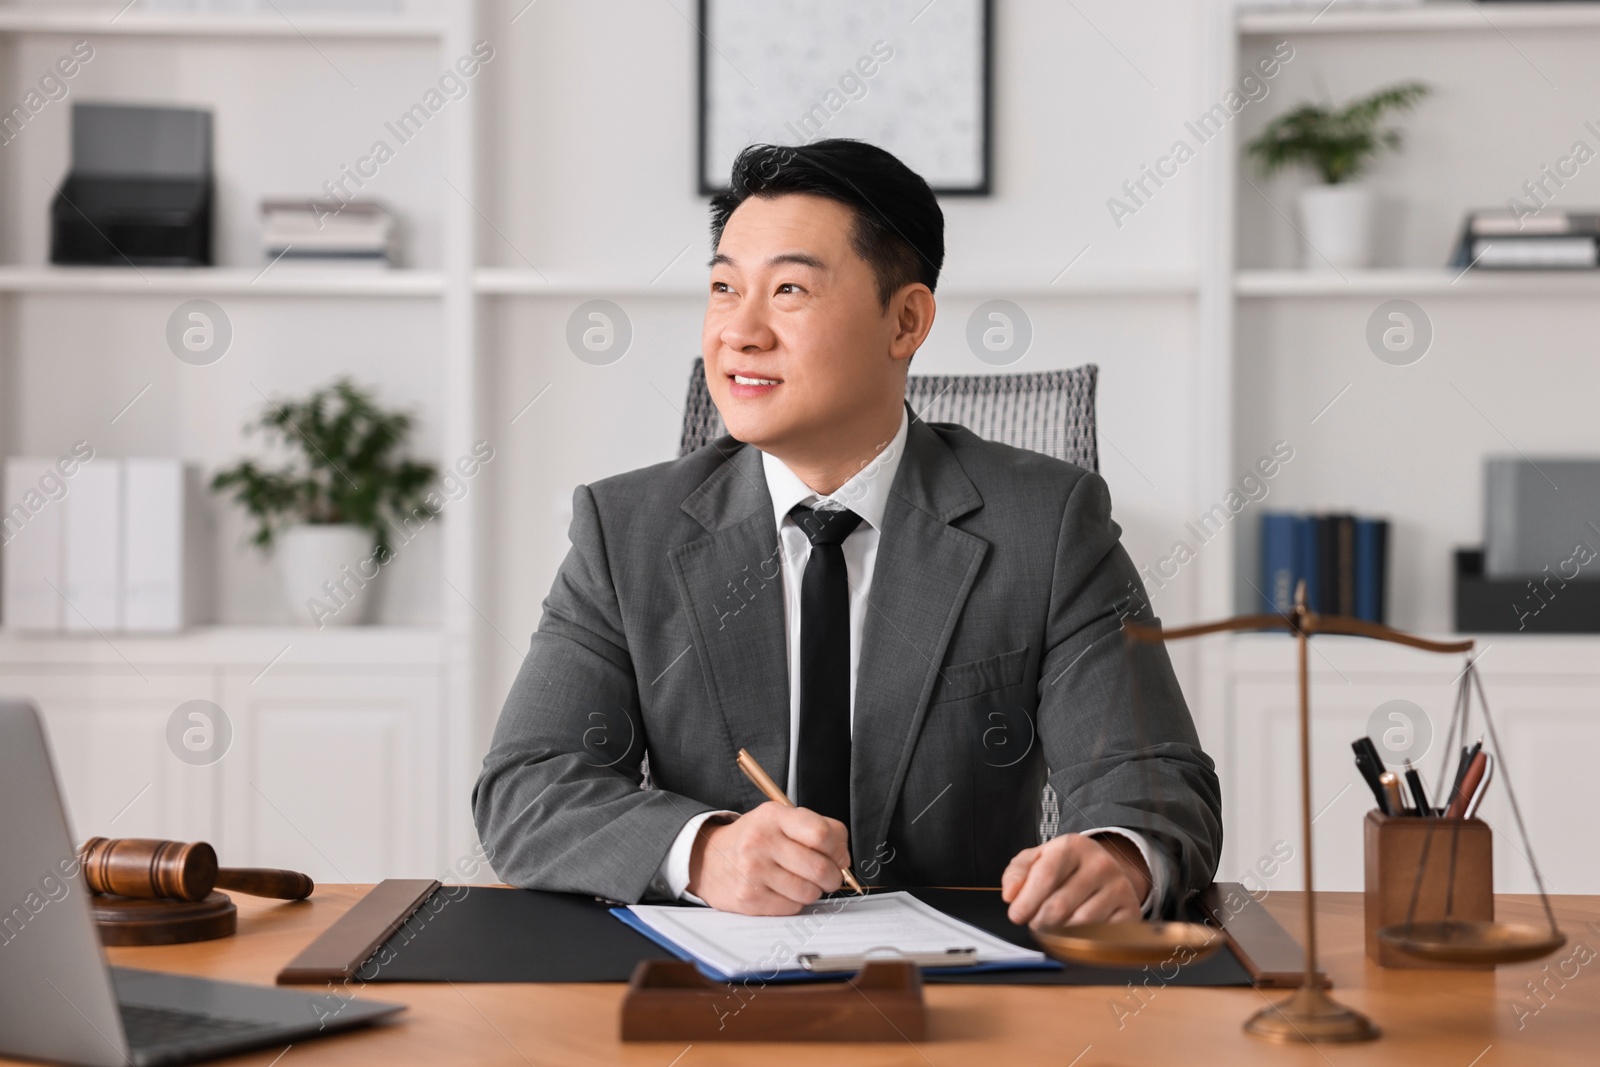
column 1454, row 941
column 1129, row 944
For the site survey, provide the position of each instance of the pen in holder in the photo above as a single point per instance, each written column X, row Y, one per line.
column 1394, row 850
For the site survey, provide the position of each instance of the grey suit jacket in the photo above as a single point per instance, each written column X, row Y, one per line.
column 991, row 656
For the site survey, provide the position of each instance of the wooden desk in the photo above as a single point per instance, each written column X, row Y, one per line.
column 1459, row 1019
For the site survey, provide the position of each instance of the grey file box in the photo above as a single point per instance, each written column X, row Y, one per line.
column 1537, row 513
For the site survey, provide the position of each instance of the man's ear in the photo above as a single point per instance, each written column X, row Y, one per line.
column 913, row 309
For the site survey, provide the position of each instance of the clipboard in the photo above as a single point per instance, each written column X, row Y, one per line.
column 953, row 957
column 834, row 965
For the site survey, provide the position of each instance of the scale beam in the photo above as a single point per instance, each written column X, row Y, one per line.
column 1310, row 623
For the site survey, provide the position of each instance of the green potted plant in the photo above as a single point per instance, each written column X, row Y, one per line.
column 1338, row 145
column 328, row 511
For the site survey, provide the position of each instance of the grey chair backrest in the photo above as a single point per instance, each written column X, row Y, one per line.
column 1048, row 411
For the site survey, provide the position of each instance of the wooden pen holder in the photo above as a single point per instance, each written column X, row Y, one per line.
column 1394, row 846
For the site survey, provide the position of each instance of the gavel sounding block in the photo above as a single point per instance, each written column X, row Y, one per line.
column 141, row 921
column 670, row 1000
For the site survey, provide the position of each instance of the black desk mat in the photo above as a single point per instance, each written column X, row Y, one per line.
column 492, row 934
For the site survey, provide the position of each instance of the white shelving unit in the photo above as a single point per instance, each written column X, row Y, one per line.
column 331, row 762
column 221, row 281
column 264, row 648
column 1288, row 344
column 1416, row 282
column 374, row 722
column 80, row 21
column 1432, row 17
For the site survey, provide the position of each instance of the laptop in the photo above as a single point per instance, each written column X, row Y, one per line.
column 58, row 999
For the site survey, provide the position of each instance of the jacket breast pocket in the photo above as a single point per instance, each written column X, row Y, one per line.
column 961, row 680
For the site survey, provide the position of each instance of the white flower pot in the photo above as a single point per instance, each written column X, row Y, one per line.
column 328, row 574
column 1336, row 226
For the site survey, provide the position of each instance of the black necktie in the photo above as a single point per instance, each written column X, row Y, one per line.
column 823, row 764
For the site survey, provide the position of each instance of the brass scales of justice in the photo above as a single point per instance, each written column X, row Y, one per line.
column 1310, row 1015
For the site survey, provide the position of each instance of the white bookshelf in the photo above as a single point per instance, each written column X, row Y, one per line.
column 1278, row 332
column 1451, row 16
column 1577, row 285
column 106, row 21
column 1405, row 441
column 263, row 648
column 398, row 700
column 220, row 281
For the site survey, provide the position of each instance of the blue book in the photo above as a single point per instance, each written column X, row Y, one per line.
column 1372, row 568
column 1308, row 556
column 1280, row 567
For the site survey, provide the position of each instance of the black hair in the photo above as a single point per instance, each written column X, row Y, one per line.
column 899, row 229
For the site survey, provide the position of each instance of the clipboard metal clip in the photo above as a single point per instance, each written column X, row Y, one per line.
column 953, row 957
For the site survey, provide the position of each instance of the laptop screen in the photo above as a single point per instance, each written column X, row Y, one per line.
column 58, row 1001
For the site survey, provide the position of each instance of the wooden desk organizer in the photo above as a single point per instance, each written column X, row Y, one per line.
column 1393, row 854
column 670, row 1000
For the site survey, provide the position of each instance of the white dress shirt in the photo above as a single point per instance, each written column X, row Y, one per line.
column 866, row 494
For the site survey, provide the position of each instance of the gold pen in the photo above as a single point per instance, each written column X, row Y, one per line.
column 1391, row 792
column 753, row 771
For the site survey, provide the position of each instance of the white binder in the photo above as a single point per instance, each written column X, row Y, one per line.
column 164, row 546
column 92, row 560
column 31, row 530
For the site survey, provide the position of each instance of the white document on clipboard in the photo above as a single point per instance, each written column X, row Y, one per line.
column 886, row 926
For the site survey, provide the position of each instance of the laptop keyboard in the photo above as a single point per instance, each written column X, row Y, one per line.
column 154, row 1027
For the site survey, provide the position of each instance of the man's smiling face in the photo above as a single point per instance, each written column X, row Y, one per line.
column 795, row 339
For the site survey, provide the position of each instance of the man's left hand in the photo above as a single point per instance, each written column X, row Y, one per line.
column 1076, row 879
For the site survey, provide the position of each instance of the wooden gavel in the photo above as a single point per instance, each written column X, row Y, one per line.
column 178, row 870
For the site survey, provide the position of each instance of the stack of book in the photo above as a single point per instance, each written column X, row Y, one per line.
column 1512, row 240
column 328, row 233
column 1342, row 558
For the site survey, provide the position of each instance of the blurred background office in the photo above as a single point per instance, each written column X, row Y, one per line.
column 260, row 254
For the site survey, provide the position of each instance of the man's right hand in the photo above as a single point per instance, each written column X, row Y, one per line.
column 770, row 861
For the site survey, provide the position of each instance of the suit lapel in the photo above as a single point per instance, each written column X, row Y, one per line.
column 923, row 576
column 731, row 586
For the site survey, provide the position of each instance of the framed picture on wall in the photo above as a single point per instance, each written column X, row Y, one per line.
column 911, row 76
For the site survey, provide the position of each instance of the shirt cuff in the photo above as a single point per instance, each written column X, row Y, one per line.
column 672, row 877
column 1154, row 858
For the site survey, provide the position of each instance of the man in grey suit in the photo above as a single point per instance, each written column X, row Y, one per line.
column 909, row 627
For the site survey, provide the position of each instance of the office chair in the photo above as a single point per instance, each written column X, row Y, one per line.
column 1044, row 411
column 1048, row 411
